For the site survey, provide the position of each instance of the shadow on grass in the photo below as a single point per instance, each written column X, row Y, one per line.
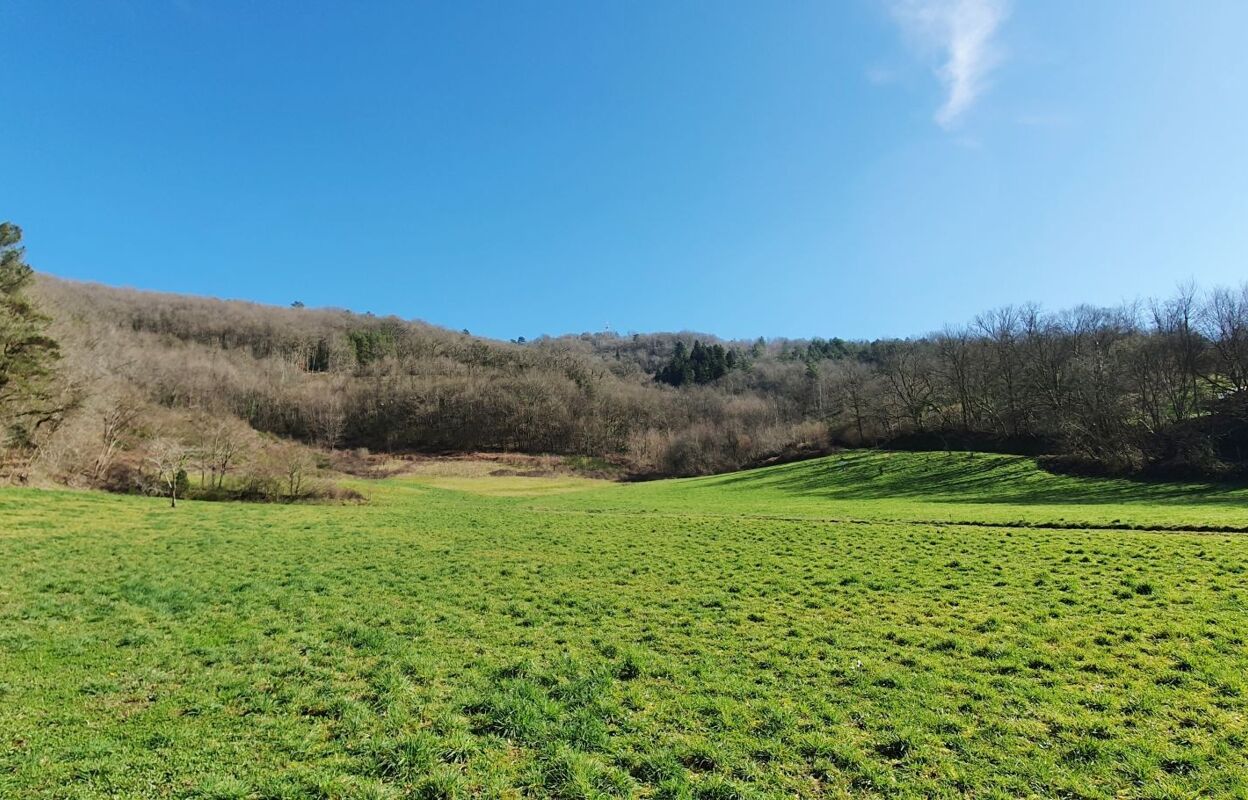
column 964, row 477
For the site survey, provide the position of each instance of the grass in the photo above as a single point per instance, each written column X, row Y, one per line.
column 466, row 475
column 943, row 488
column 467, row 635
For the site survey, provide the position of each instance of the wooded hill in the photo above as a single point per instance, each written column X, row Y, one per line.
column 334, row 379
column 1159, row 386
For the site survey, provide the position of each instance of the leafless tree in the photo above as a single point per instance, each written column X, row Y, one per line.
column 167, row 459
column 327, row 418
column 1225, row 320
column 908, row 372
column 853, row 390
column 117, row 420
column 1001, row 331
column 958, row 371
column 219, row 446
column 283, row 470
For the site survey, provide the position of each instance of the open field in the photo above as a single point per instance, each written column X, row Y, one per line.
column 817, row 630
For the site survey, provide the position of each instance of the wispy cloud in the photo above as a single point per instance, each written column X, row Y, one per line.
column 961, row 34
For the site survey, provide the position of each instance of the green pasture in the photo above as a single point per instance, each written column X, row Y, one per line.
column 823, row 629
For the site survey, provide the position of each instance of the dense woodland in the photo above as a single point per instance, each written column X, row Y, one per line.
column 123, row 377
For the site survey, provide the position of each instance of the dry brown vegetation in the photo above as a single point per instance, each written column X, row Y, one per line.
column 264, row 398
column 151, row 366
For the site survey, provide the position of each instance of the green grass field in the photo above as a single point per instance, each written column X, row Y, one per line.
column 919, row 625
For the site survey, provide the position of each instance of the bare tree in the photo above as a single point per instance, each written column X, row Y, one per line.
column 1099, row 418
column 286, row 468
column 1001, row 331
column 1226, row 324
column 1168, row 359
column 1049, row 345
column 167, row 459
column 117, row 419
column 853, row 391
column 327, row 419
column 219, row 446
column 955, row 352
column 908, row 373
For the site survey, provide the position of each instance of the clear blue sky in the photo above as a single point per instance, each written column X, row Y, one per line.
column 860, row 168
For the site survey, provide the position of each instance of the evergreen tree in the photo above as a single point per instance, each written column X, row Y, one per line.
column 698, row 362
column 676, row 372
column 28, row 355
column 719, row 362
column 701, row 364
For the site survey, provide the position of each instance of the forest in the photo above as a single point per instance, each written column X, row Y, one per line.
column 124, row 389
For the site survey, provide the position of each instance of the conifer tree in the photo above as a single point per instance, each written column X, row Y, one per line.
column 28, row 356
column 699, row 364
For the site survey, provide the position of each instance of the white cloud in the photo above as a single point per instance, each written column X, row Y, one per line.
column 961, row 35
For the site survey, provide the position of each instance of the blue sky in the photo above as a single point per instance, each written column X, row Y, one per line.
column 861, row 168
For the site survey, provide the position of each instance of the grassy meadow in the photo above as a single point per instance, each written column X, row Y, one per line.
column 891, row 625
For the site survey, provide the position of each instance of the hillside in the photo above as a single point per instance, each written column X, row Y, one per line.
column 1111, row 391
column 336, row 379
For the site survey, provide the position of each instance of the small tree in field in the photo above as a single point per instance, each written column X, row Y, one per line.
column 167, row 459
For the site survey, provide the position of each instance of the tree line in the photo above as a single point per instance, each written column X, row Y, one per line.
column 1157, row 386
column 92, row 376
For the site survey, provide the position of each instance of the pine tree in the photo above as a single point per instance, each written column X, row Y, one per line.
column 697, row 361
column 678, row 371
column 700, row 364
column 719, row 362
column 28, row 356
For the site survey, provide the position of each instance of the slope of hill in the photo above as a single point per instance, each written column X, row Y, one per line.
column 939, row 488
column 149, row 365
column 1113, row 390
